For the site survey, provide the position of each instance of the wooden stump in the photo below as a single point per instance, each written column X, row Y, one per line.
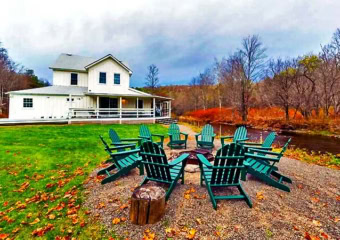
column 147, row 205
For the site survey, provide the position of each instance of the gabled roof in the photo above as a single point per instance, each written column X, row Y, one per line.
column 53, row 90
column 109, row 56
column 81, row 63
column 72, row 62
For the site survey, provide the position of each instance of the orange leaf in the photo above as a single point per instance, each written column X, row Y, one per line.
column 325, row 236
column 310, row 237
column 49, row 185
column 116, row 221
column 124, row 206
column 5, row 204
column 260, row 196
column 191, row 234
column 315, row 200
column 3, row 236
column 295, row 228
column 187, row 196
column 51, row 216
column 35, row 221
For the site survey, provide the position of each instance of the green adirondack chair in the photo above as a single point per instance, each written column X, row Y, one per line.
column 145, row 135
column 110, row 150
column 266, row 145
column 116, row 140
column 239, row 136
column 123, row 163
column 226, row 171
column 207, row 137
column 261, row 164
column 157, row 167
column 175, row 137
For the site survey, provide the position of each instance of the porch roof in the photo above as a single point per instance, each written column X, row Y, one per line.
column 129, row 93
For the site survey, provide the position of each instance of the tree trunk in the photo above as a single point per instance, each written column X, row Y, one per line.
column 147, row 205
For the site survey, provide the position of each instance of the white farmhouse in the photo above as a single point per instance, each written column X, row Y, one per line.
column 88, row 89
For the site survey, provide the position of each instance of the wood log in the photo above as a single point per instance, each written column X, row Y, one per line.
column 147, row 205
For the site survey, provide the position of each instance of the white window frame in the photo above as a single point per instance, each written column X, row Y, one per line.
column 23, row 103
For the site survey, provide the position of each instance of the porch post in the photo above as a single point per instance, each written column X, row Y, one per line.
column 154, row 107
column 137, row 107
column 70, row 108
column 120, row 107
column 169, row 108
column 97, row 110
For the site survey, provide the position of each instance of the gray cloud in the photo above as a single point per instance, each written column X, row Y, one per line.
column 181, row 37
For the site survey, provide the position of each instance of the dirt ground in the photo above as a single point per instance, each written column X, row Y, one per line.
column 311, row 210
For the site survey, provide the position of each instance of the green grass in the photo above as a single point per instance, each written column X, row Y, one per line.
column 61, row 156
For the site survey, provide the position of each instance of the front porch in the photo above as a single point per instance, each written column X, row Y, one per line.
column 123, row 108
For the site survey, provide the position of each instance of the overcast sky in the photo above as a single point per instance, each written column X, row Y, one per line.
column 182, row 37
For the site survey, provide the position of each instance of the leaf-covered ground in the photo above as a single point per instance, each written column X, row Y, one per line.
column 42, row 171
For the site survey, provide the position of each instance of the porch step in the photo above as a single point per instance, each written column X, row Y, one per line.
column 166, row 121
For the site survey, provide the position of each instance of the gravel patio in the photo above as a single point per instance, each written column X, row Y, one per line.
column 311, row 210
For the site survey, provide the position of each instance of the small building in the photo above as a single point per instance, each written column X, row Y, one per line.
column 88, row 89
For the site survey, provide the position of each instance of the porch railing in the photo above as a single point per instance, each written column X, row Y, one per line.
column 85, row 113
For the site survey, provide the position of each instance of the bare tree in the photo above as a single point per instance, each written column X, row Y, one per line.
column 152, row 80
column 252, row 57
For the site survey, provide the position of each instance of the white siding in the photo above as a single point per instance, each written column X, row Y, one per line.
column 47, row 106
column 110, row 67
column 63, row 78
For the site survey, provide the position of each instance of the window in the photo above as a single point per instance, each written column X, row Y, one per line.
column 102, row 77
column 116, row 79
column 28, row 102
column 74, row 79
column 140, row 103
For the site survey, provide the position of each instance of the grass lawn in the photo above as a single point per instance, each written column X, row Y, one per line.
column 42, row 170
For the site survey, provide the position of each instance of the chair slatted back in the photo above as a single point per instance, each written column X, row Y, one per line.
column 207, row 133
column 114, row 136
column 284, row 148
column 175, row 132
column 107, row 147
column 269, row 140
column 240, row 133
column 144, row 131
column 155, row 162
column 228, row 164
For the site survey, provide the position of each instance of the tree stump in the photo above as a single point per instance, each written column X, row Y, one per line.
column 147, row 205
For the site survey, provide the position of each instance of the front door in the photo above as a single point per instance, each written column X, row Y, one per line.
column 108, row 103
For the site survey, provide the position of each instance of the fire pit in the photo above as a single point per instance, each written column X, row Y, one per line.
column 192, row 159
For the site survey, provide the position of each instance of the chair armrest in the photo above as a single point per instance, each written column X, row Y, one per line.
column 157, row 135
column 261, row 157
column 120, row 143
column 263, row 151
column 130, row 139
column 144, row 137
column 251, row 144
column 185, row 134
column 179, row 159
column 241, row 140
column 225, row 137
column 125, row 153
column 204, row 161
column 198, row 134
column 132, row 146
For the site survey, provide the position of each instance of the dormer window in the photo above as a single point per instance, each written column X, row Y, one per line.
column 102, row 77
column 74, row 79
column 116, row 79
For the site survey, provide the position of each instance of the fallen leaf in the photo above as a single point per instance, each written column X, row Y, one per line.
column 16, row 230
column 35, row 221
column 23, row 187
column 49, row 185
column 260, row 196
column 191, row 234
column 300, row 186
column 316, row 223
column 336, row 220
column 123, row 219
column 116, row 221
column 296, row 228
column 324, row 235
column 5, row 204
column 187, row 196
column 41, row 231
column 199, row 221
column 51, row 216
column 124, row 206
column 3, row 236
column 315, row 200
column 311, row 237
